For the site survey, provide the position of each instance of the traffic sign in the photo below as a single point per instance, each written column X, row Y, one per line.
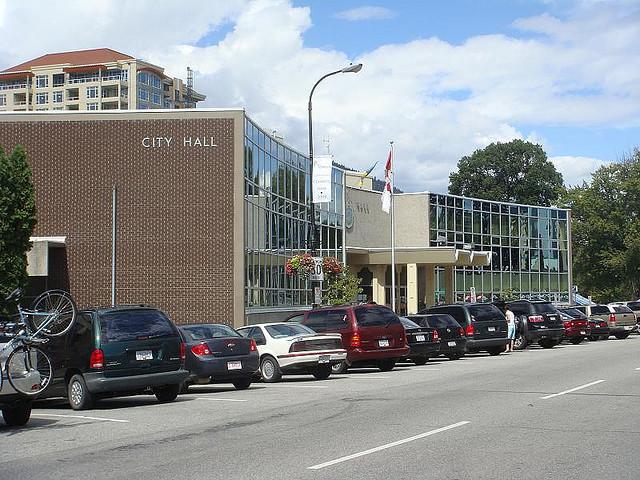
column 317, row 275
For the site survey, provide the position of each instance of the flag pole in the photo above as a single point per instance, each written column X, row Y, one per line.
column 393, row 238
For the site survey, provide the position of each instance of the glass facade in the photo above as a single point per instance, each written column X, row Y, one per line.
column 529, row 245
column 277, row 219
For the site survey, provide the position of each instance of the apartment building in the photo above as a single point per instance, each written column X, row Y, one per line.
column 97, row 79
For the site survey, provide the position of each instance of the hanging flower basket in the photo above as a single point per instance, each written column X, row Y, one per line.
column 304, row 265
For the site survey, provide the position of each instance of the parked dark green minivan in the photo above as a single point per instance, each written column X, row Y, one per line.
column 117, row 351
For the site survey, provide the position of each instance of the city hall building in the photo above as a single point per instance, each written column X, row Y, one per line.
column 197, row 211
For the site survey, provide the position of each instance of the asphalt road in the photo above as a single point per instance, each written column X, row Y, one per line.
column 477, row 418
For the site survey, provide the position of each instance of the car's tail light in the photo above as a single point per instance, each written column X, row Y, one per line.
column 612, row 318
column 253, row 346
column 536, row 318
column 298, row 347
column 202, row 350
column 469, row 330
column 355, row 340
column 461, row 332
column 436, row 336
column 97, row 359
column 602, row 324
column 568, row 324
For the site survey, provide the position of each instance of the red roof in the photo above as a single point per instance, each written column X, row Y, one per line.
column 79, row 57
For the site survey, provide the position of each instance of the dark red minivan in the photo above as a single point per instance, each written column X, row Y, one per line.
column 372, row 334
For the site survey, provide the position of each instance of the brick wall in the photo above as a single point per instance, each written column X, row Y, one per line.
column 175, row 210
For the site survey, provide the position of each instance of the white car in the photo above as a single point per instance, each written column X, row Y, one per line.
column 290, row 347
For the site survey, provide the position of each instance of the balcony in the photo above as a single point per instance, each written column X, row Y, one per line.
column 13, row 86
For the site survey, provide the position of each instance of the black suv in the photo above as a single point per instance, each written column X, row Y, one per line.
column 536, row 321
column 115, row 351
column 484, row 325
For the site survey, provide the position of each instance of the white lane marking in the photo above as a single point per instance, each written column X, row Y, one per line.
column 80, row 416
column 384, row 447
column 572, row 390
column 284, row 385
column 638, row 368
column 221, row 399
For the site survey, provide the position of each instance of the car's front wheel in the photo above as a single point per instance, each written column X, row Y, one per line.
column 167, row 393
column 420, row 360
column 17, row 415
column 338, row 368
column 622, row 336
column 242, row 383
column 520, row 342
column 79, row 396
column 386, row 365
column 547, row 343
column 270, row 370
column 322, row 372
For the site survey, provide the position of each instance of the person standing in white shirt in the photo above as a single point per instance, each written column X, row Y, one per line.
column 511, row 327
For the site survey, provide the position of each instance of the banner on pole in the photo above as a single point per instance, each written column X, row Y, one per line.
column 322, row 165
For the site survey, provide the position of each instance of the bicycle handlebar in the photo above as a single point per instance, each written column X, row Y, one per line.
column 14, row 296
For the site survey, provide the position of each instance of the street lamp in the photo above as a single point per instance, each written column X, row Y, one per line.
column 314, row 228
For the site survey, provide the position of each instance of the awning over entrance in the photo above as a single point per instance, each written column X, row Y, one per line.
column 443, row 256
column 38, row 256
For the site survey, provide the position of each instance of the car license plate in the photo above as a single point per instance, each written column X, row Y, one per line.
column 491, row 329
column 144, row 355
column 419, row 338
column 324, row 358
column 451, row 344
column 234, row 365
column 383, row 343
column 583, row 333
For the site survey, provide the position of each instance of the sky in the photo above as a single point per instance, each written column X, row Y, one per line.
column 440, row 79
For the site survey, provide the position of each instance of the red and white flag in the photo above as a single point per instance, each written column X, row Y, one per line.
column 386, row 193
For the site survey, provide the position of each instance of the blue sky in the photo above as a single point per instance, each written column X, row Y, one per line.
column 440, row 78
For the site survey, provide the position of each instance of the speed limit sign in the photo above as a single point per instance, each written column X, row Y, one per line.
column 317, row 275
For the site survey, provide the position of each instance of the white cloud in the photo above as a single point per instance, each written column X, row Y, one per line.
column 365, row 13
column 437, row 101
column 576, row 170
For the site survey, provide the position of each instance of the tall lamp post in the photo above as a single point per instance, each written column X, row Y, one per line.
column 314, row 228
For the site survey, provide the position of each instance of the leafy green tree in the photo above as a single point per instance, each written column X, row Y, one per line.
column 517, row 171
column 17, row 219
column 606, row 231
column 343, row 288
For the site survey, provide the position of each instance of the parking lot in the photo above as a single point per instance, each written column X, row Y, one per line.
column 569, row 412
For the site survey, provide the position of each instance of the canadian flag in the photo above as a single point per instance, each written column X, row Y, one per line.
column 386, row 194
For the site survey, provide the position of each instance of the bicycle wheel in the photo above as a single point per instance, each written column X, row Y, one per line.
column 29, row 370
column 55, row 313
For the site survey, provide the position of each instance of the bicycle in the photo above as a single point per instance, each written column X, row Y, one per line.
column 28, row 368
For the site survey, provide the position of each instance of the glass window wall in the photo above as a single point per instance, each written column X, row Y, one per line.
column 277, row 219
column 529, row 247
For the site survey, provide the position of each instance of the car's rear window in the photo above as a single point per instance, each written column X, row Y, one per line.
column 485, row 312
column 635, row 306
column 573, row 312
column 622, row 309
column 376, row 317
column 202, row 332
column 288, row 330
column 127, row 325
column 406, row 323
column 441, row 321
column 544, row 307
